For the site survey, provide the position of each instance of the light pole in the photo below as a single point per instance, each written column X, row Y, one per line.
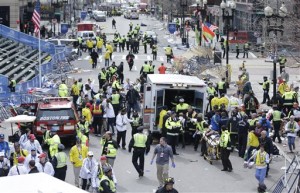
column 65, row 2
column 183, row 4
column 200, row 16
column 275, row 27
column 227, row 17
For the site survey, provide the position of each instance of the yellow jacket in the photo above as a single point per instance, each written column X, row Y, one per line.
column 86, row 112
column 100, row 43
column 223, row 100
column 109, row 47
column 282, row 87
column 76, row 156
column 107, row 55
column 252, row 140
column 215, row 101
column 75, row 89
column 161, row 118
column 89, row 44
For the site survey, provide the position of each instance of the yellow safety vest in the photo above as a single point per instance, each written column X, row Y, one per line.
column 103, row 75
column 260, row 158
column 112, row 185
column 79, row 40
column 61, row 159
column 146, row 68
column 14, row 83
column 211, row 91
column 276, row 115
column 288, row 98
column 225, row 138
column 53, row 144
column 151, row 68
column 182, row 107
column 84, row 127
column 168, row 51
column 170, row 124
column 97, row 111
column 264, row 86
column 115, row 99
column 135, row 121
column 75, row 90
column 62, row 90
column 100, row 43
column 111, row 150
column 221, row 85
column 139, row 140
column 89, row 44
column 200, row 126
column 252, row 122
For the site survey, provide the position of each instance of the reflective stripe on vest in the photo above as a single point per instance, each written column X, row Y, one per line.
column 112, row 186
column 288, row 98
column 139, row 140
column 97, row 111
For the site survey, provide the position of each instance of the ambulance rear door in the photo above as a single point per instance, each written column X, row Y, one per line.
column 147, row 105
column 160, row 102
column 199, row 103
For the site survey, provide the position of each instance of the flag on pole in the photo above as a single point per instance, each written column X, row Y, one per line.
column 211, row 26
column 207, row 33
column 36, row 17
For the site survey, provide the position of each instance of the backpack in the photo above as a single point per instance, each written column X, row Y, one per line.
column 252, row 104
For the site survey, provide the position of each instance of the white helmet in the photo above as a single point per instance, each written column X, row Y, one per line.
column 181, row 100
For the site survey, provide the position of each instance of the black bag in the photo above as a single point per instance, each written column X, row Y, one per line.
column 275, row 150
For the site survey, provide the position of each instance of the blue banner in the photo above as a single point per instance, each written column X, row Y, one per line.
column 172, row 27
column 83, row 15
column 27, row 39
column 64, row 27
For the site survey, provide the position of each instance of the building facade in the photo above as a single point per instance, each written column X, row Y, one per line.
column 9, row 12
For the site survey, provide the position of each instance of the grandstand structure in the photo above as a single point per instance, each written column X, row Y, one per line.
column 19, row 61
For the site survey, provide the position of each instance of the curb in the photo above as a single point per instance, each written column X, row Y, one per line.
column 281, row 152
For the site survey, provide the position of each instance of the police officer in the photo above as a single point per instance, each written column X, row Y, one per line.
column 12, row 85
column 154, row 51
column 211, row 91
column 109, row 147
column 63, row 89
column 221, row 87
column 137, row 121
column 59, row 162
column 282, row 61
column 246, row 49
column 79, row 39
column 53, row 141
column 190, row 126
column 237, row 50
column 140, row 144
column 130, row 26
column 288, row 100
column 266, row 88
column 145, row 44
column 115, row 42
column 182, row 107
column 174, row 127
column 115, row 101
column 169, row 53
column 102, row 77
column 151, row 69
column 145, row 69
column 82, row 125
column 225, row 149
column 107, row 184
column 277, row 117
column 201, row 127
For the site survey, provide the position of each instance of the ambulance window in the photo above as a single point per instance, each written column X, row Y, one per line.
column 148, row 88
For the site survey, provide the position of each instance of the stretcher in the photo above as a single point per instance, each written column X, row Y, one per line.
column 212, row 140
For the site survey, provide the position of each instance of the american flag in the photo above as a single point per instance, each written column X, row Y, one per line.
column 36, row 17
column 211, row 26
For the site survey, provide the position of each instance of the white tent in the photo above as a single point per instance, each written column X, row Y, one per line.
column 36, row 183
column 21, row 119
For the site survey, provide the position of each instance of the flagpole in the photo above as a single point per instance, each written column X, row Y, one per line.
column 40, row 65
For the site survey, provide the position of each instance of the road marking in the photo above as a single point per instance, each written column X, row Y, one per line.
column 113, row 56
column 123, row 57
column 252, row 55
column 161, row 59
column 100, row 58
column 87, row 58
column 148, row 57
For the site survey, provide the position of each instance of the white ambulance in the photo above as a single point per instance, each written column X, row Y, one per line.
column 165, row 90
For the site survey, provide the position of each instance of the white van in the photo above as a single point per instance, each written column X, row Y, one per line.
column 163, row 90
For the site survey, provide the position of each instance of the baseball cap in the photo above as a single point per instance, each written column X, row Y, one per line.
column 103, row 158
column 90, row 153
column 2, row 136
column 42, row 155
column 31, row 136
column 21, row 159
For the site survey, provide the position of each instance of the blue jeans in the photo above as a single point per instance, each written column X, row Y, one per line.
column 260, row 175
column 291, row 142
